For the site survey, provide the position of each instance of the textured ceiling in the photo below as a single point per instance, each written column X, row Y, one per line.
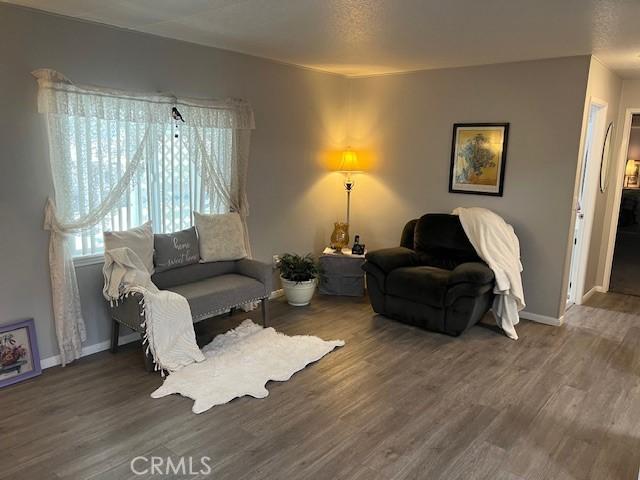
column 361, row 37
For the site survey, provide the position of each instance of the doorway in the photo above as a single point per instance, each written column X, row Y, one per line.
column 586, row 199
column 625, row 269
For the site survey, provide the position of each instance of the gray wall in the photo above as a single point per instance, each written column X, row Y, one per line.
column 407, row 120
column 300, row 116
column 299, row 113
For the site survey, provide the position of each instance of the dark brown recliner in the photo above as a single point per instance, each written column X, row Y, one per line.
column 434, row 280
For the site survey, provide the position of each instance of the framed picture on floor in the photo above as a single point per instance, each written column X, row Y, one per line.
column 19, row 358
column 478, row 158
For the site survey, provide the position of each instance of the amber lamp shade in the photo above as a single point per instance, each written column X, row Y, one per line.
column 349, row 163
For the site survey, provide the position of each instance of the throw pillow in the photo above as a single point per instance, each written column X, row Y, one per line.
column 175, row 249
column 139, row 239
column 221, row 237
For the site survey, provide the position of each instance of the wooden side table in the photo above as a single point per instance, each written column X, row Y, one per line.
column 341, row 273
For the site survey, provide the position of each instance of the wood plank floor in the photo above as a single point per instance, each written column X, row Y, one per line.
column 395, row 402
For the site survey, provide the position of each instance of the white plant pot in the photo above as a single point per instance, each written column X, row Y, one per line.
column 298, row 293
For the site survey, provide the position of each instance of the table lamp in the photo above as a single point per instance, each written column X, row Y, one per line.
column 630, row 172
column 348, row 166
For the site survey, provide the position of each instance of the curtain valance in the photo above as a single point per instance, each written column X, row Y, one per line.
column 57, row 95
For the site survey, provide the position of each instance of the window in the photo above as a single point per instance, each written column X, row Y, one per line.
column 116, row 162
column 167, row 187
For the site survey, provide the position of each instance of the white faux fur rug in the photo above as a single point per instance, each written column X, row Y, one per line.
column 241, row 362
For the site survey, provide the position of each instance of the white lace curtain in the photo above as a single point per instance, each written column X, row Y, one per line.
column 78, row 117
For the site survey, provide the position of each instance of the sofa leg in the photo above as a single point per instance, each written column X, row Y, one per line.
column 265, row 311
column 232, row 310
column 115, row 334
column 148, row 359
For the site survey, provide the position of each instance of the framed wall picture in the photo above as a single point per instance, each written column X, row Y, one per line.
column 19, row 358
column 478, row 158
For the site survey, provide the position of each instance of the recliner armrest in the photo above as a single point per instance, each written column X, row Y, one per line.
column 471, row 272
column 388, row 259
column 260, row 271
column 375, row 273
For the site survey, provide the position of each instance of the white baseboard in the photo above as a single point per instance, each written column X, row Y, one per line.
column 536, row 317
column 589, row 294
column 276, row 294
column 102, row 346
column 89, row 350
column 54, row 361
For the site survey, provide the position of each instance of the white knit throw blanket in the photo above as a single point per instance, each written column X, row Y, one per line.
column 169, row 334
column 496, row 243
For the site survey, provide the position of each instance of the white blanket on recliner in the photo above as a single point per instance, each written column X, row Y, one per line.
column 168, row 325
column 497, row 244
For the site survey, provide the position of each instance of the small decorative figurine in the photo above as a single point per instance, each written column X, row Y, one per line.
column 177, row 116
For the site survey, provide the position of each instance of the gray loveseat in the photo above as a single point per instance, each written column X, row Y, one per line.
column 210, row 288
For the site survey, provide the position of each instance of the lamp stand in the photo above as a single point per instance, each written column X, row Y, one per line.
column 348, row 186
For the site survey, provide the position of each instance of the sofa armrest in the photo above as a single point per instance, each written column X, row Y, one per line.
column 129, row 312
column 471, row 272
column 388, row 259
column 260, row 271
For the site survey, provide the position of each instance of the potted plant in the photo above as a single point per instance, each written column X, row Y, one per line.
column 299, row 276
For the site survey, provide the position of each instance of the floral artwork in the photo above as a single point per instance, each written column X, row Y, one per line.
column 478, row 158
column 10, row 353
column 19, row 358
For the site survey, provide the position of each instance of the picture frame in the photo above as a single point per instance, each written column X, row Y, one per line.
column 478, row 158
column 605, row 157
column 19, row 357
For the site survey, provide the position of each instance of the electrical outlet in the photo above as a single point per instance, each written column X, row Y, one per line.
column 276, row 261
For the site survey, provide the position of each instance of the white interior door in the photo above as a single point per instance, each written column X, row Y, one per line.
column 585, row 204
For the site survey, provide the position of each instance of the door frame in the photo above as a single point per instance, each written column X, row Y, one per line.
column 619, row 184
column 591, row 188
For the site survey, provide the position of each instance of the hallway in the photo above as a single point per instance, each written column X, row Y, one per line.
column 625, row 274
column 609, row 305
